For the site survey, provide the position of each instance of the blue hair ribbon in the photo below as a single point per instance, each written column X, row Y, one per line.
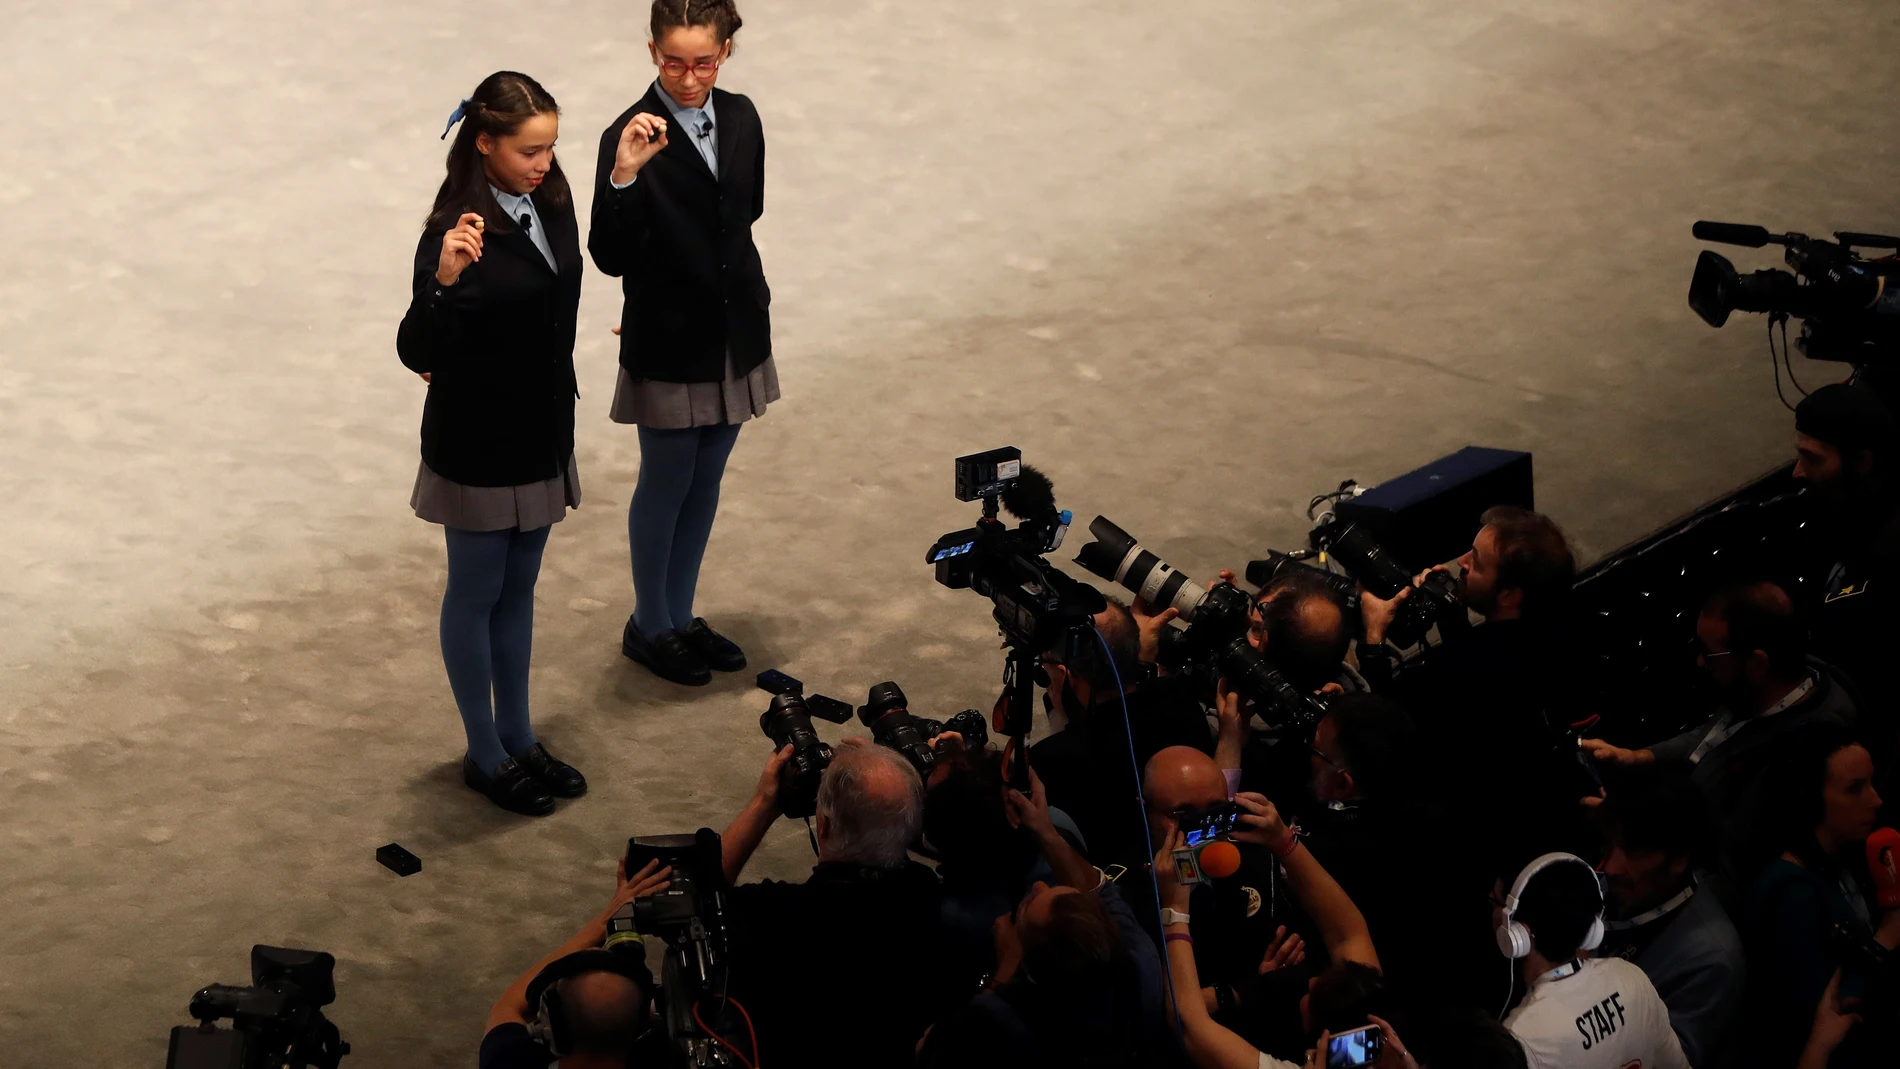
column 454, row 117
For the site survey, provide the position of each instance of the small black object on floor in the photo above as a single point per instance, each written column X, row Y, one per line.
column 397, row 860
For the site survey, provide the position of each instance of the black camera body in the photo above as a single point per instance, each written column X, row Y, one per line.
column 1849, row 305
column 969, row 723
column 1036, row 605
column 1214, row 642
column 276, row 1021
column 787, row 721
column 887, row 713
column 690, row 917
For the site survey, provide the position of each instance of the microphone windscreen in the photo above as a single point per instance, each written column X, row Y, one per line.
column 1220, row 858
column 1883, row 862
column 1032, row 495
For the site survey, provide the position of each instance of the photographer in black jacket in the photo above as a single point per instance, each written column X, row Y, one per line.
column 863, row 931
column 1488, row 698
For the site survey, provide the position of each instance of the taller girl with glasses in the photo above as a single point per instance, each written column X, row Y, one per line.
column 681, row 180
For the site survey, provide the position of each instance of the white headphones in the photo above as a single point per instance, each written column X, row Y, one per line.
column 1514, row 940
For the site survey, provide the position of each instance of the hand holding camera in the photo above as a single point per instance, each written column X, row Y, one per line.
column 1261, row 824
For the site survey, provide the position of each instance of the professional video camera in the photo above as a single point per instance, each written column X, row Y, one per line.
column 690, row 917
column 1037, row 606
column 277, row 1021
column 787, row 721
column 1849, row 305
column 1214, row 642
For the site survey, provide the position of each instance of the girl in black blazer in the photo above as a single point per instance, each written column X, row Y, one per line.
column 680, row 181
column 491, row 330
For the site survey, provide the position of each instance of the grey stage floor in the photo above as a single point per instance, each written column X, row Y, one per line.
column 1199, row 261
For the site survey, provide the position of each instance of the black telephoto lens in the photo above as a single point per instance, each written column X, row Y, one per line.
column 886, row 712
column 787, row 721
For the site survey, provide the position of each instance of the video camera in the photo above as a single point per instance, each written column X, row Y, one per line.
column 1036, row 604
column 1849, row 305
column 1214, row 642
column 277, row 1021
column 690, row 917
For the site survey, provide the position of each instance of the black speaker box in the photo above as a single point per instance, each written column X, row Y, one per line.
column 1430, row 515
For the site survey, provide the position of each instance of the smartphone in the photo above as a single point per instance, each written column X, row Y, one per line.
column 1361, row 1046
column 1218, row 821
column 773, row 681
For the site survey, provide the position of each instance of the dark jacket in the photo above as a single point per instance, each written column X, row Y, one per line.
column 499, row 349
column 848, row 940
column 680, row 240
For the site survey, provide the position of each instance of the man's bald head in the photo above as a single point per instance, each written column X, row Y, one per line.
column 605, row 1012
column 1182, row 777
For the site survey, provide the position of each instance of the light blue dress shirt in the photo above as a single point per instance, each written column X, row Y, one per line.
column 699, row 126
column 517, row 206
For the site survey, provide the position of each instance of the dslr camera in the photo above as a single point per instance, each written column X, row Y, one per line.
column 276, row 1021
column 787, row 721
column 1214, row 642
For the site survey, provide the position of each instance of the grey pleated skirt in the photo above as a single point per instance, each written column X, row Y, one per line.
column 674, row 406
column 495, row 508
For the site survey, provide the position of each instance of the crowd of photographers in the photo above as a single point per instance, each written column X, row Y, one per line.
column 1430, row 870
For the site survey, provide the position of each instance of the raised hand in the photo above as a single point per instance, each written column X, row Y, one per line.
column 1286, row 948
column 640, row 140
column 461, row 246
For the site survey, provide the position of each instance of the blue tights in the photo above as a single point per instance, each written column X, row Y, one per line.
column 487, row 635
column 671, row 518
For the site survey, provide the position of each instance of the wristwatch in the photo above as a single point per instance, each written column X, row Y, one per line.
column 1170, row 915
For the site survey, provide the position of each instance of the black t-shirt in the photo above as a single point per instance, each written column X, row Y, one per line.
column 849, row 944
column 509, row 1046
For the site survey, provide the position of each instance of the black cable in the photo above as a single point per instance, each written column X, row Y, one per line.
column 1774, row 361
column 1787, row 358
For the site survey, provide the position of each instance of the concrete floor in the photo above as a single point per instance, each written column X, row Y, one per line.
column 1199, row 267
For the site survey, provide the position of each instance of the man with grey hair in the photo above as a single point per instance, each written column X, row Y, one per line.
column 861, row 932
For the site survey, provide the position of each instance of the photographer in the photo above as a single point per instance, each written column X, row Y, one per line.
column 861, row 932
column 1077, row 980
column 1752, row 647
column 1845, row 438
column 1339, row 923
column 1249, row 938
column 1488, row 697
column 1371, row 824
column 602, row 1012
column 1087, row 764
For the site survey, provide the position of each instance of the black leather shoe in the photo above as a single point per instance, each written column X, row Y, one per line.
column 720, row 653
column 560, row 778
column 510, row 788
column 665, row 655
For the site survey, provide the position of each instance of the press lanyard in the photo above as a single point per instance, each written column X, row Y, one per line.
column 1726, row 724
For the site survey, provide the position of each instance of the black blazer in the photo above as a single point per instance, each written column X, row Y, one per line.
column 499, row 349
column 680, row 240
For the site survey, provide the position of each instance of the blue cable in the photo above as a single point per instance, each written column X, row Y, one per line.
column 1154, row 886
